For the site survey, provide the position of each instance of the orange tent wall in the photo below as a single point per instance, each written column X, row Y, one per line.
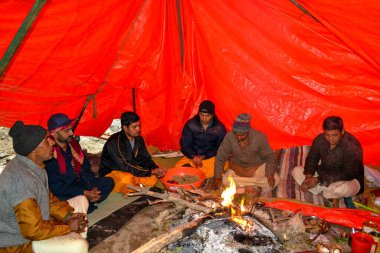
column 268, row 58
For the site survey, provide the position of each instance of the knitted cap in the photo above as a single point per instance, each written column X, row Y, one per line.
column 242, row 123
column 26, row 137
column 59, row 121
column 207, row 107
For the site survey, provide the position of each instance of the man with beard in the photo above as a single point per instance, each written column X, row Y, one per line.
column 31, row 218
column 126, row 159
column 70, row 171
column 201, row 138
column 252, row 159
column 334, row 165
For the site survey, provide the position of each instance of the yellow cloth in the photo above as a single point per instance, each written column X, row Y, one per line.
column 122, row 179
column 207, row 168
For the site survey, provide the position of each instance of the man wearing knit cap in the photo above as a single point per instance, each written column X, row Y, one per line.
column 31, row 218
column 69, row 170
column 201, row 138
column 252, row 159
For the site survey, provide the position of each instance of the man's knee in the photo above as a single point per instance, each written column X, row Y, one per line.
column 342, row 189
column 80, row 203
column 109, row 184
column 79, row 246
column 297, row 171
column 277, row 179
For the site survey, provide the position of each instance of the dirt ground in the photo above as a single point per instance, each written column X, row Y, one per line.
column 135, row 233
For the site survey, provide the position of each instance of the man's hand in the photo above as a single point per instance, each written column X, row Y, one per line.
column 271, row 181
column 159, row 172
column 93, row 195
column 95, row 170
column 77, row 222
column 217, row 184
column 197, row 160
column 309, row 182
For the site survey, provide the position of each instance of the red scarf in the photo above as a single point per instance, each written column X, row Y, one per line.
column 77, row 155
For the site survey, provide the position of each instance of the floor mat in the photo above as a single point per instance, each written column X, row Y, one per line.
column 114, row 202
column 110, row 224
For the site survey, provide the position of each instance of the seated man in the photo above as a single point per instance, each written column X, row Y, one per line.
column 201, row 138
column 31, row 218
column 252, row 159
column 126, row 159
column 334, row 165
column 69, row 171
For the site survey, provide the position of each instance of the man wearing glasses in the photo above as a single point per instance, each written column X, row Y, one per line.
column 252, row 162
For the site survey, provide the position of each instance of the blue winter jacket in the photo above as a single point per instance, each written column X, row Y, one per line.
column 197, row 141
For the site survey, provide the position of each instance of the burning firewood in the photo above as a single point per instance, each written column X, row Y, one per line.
column 169, row 197
column 158, row 243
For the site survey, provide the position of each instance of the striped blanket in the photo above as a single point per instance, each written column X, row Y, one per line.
column 287, row 159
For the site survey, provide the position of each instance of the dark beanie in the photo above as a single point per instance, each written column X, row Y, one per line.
column 26, row 137
column 207, row 107
column 242, row 123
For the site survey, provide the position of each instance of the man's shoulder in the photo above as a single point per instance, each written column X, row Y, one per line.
column 229, row 136
column 194, row 121
column 320, row 137
column 257, row 133
column 113, row 137
column 349, row 139
column 218, row 124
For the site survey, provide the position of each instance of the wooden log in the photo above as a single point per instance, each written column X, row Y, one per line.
column 158, row 243
column 170, row 198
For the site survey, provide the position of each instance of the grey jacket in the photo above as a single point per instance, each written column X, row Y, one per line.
column 256, row 153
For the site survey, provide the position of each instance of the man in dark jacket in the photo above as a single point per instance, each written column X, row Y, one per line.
column 201, row 138
column 69, row 171
column 334, row 165
column 126, row 159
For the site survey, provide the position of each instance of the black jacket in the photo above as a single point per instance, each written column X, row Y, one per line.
column 197, row 141
column 343, row 163
column 117, row 154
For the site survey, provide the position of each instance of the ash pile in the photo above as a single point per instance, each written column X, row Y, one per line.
column 224, row 235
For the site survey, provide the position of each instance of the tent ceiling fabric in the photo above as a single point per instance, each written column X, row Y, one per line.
column 267, row 58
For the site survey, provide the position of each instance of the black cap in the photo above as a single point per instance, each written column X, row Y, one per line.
column 207, row 107
column 26, row 137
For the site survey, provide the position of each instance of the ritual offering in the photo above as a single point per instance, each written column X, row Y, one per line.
column 183, row 177
column 316, row 225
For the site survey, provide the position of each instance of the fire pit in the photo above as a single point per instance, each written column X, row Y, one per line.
column 208, row 223
column 224, row 235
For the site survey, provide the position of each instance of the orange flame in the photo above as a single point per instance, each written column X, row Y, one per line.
column 228, row 193
column 242, row 208
column 228, row 197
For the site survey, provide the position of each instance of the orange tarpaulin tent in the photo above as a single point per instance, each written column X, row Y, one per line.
column 288, row 63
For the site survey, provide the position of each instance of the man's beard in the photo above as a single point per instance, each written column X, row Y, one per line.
column 60, row 139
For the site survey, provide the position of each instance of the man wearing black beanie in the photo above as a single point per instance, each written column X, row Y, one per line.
column 200, row 140
column 26, row 205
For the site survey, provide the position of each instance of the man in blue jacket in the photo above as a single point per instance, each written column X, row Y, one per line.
column 201, row 138
column 70, row 171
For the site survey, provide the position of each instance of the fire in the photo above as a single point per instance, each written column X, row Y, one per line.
column 228, row 197
column 242, row 208
column 228, row 193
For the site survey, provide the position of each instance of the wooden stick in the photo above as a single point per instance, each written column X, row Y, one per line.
column 170, row 198
column 158, row 243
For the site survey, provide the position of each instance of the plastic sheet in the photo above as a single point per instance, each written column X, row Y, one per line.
column 288, row 69
column 341, row 216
